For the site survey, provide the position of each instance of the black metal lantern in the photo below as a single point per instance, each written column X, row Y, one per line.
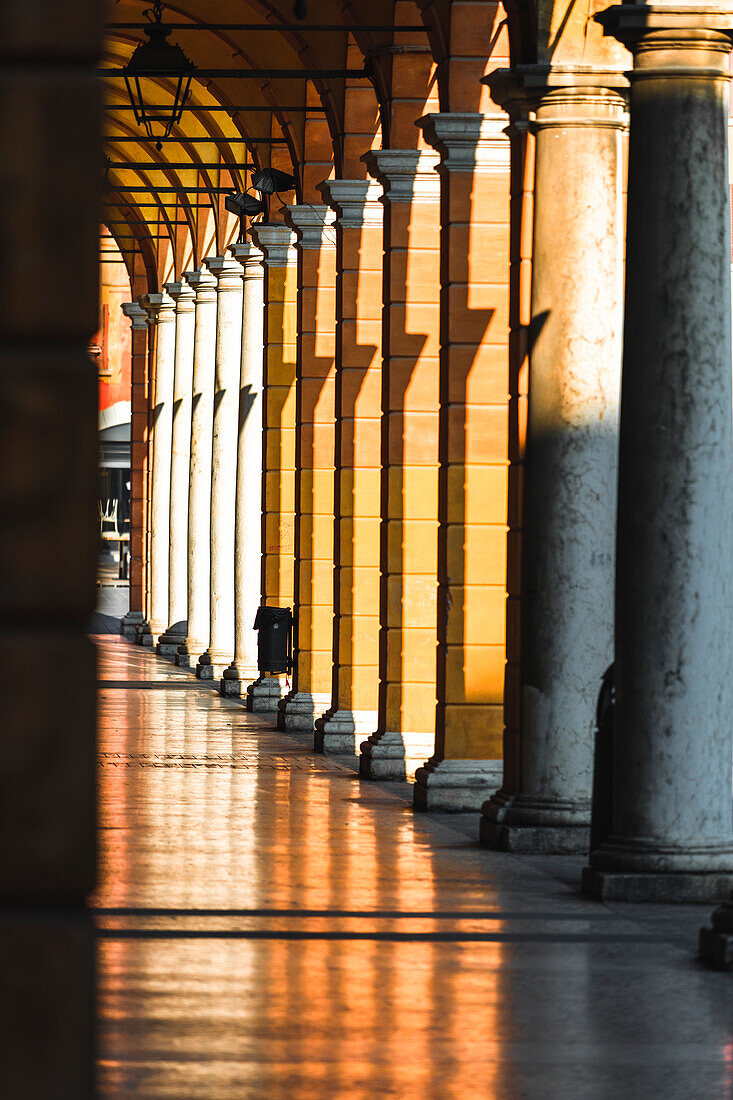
column 158, row 57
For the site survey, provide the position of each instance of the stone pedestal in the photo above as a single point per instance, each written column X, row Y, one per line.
column 672, row 809
column 161, row 309
column 199, row 484
column 405, row 735
column 299, row 710
column 248, row 505
column 130, row 622
column 352, row 716
column 570, row 463
column 456, row 786
column 716, row 942
column 220, row 650
column 264, row 695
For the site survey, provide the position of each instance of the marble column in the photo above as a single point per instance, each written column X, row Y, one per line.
column 138, row 317
column 185, row 298
column 570, row 465
column 220, row 650
column 466, row 767
column 352, row 715
column 314, row 467
column 672, row 814
column 203, row 283
column 276, row 242
column 161, row 309
column 248, row 505
column 405, row 731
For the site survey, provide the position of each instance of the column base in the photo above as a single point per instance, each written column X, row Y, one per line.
column 395, row 755
column 130, row 622
column 667, row 887
column 343, row 731
column 299, row 710
column 264, row 695
column 716, row 943
column 235, row 681
column 211, row 665
column 144, row 635
column 456, row 786
column 170, row 641
column 527, row 824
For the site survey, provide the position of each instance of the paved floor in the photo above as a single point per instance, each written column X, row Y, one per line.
column 271, row 927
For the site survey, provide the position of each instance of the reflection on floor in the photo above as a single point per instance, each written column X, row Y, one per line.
column 270, row 926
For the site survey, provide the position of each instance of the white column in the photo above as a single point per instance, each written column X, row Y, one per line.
column 199, row 485
column 671, row 835
column 185, row 298
column 224, row 466
column 134, row 619
column 248, row 507
column 570, row 465
column 161, row 309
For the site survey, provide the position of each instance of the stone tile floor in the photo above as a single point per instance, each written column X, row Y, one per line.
column 270, row 926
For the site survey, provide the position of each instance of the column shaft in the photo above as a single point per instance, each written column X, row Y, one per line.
column 314, row 473
column 671, row 831
column 199, row 485
column 220, row 650
column 357, row 398
column 161, row 308
column 405, row 734
column 185, row 298
column 248, row 510
column 138, row 466
column 281, row 289
column 472, row 500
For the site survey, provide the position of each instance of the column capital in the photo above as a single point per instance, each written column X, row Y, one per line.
column 467, row 142
column 161, row 307
column 251, row 259
column 203, row 283
column 355, row 202
column 227, row 271
column 183, row 295
column 407, row 175
column 136, row 314
column 277, row 242
column 313, row 225
column 684, row 21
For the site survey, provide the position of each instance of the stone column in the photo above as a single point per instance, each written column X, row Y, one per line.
column 161, row 309
column 405, row 733
column 570, row 465
column 248, row 507
column 314, row 467
column 220, row 651
column 203, row 284
column 359, row 262
column 472, row 495
column 281, row 289
column 671, row 833
column 185, row 298
column 135, row 617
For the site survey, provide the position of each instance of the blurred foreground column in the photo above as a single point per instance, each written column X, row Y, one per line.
column 248, row 507
column 671, row 835
column 49, row 130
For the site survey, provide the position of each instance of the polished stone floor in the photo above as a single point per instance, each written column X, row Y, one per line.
column 271, row 927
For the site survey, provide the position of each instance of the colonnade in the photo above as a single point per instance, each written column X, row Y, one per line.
column 399, row 412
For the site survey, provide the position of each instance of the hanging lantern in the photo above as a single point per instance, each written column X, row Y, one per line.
column 158, row 57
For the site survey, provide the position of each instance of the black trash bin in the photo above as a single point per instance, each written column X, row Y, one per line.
column 274, row 633
column 602, row 813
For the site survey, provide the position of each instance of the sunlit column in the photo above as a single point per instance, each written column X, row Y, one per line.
column 185, row 298
column 671, row 831
column 474, row 173
column 281, row 290
column 138, row 448
column 314, row 473
column 569, row 508
column 220, row 650
column 199, row 484
column 248, row 507
column 161, row 309
column 359, row 262
column 405, row 733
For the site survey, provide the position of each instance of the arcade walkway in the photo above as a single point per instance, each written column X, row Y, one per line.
column 270, row 926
